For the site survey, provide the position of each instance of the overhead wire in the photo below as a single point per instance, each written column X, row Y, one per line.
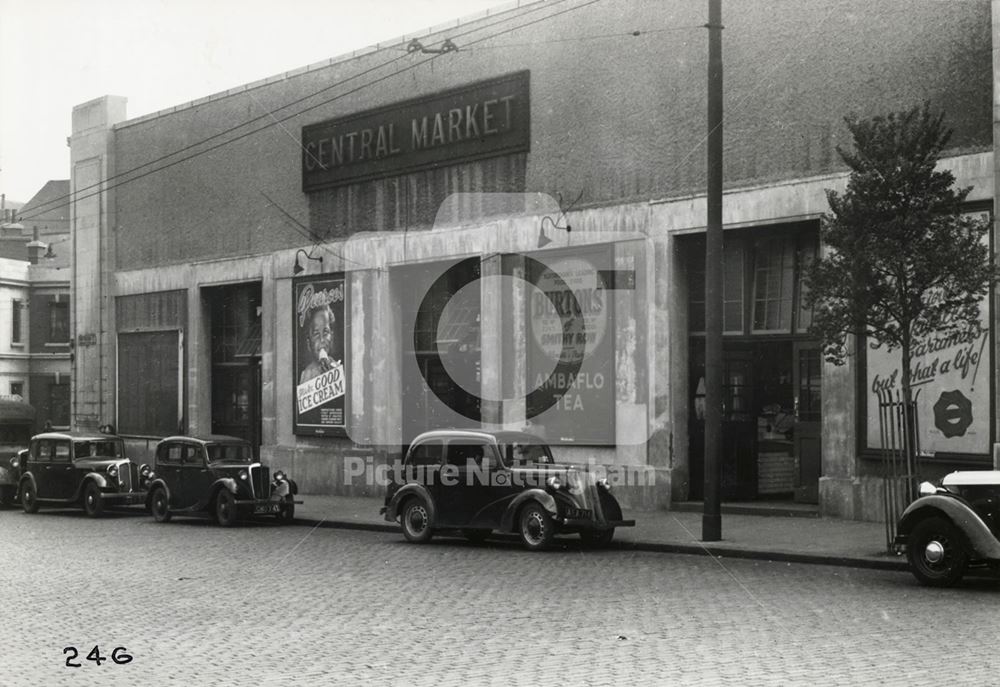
column 103, row 185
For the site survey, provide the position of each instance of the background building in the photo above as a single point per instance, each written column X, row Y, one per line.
column 190, row 316
column 34, row 304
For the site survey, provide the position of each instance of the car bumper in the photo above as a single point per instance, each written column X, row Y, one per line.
column 127, row 499
column 584, row 524
column 263, row 506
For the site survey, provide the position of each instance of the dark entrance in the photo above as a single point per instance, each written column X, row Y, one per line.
column 455, row 304
column 771, row 367
column 234, row 313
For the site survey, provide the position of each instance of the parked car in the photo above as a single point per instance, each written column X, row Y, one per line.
column 952, row 526
column 479, row 482
column 16, row 421
column 90, row 469
column 217, row 476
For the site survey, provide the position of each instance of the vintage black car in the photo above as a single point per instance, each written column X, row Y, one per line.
column 952, row 526
column 217, row 476
column 479, row 482
column 16, row 420
column 90, row 469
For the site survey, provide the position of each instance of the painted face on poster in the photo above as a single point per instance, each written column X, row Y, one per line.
column 320, row 368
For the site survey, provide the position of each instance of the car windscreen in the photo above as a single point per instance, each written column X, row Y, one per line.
column 98, row 448
column 229, row 453
column 518, row 453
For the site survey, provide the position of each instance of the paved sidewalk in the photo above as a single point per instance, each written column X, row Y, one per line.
column 826, row 541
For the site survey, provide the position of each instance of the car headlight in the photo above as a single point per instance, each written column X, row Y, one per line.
column 926, row 489
column 112, row 470
column 604, row 483
column 553, row 483
column 243, row 474
column 279, row 476
column 15, row 463
column 145, row 472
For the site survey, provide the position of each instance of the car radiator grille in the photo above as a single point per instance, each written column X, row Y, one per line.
column 260, row 480
column 126, row 476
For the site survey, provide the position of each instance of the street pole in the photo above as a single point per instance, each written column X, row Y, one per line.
column 711, row 519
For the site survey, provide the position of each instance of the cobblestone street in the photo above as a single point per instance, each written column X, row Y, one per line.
column 262, row 604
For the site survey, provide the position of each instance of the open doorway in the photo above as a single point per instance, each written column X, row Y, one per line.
column 235, row 321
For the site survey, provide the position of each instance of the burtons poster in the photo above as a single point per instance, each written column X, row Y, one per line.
column 321, row 368
column 571, row 328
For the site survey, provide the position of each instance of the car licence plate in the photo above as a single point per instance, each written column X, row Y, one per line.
column 578, row 513
column 266, row 508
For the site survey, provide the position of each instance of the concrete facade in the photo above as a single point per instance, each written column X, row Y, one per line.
column 210, row 197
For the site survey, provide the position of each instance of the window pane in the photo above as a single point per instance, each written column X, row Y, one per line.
column 732, row 312
column 58, row 322
column 695, row 264
column 807, row 253
column 774, row 262
column 15, row 322
column 465, row 454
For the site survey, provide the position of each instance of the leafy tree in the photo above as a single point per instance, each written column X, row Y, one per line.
column 902, row 260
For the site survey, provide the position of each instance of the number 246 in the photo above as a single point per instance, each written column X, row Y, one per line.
column 117, row 656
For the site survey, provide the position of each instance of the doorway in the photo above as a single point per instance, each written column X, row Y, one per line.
column 235, row 321
column 770, row 422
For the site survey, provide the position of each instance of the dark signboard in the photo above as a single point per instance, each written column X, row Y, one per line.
column 320, row 360
column 484, row 119
column 571, row 325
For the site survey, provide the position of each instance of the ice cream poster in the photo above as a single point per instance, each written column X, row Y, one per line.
column 321, row 370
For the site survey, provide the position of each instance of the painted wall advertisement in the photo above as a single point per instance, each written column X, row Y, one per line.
column 952, row 374
column 571, row 323
column 321, row 368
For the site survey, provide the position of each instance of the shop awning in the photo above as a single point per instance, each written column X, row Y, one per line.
column 14, row 410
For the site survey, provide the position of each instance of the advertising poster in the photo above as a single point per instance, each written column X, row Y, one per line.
column 320, row 362
column 952, row 373
column 570, row 324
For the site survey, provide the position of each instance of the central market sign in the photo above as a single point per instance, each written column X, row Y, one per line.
column 484, row 119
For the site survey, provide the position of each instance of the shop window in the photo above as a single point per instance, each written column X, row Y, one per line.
column 17, row 389
column 774, row 270
column 59, row 404
column 17, row 307
column 58, row 322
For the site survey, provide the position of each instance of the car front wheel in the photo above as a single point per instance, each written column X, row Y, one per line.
column 936, row 553
column 160, row 505
column 225, row 508
column 537, row 527
column 29, row 498
column 416, row 521
column 93, row 504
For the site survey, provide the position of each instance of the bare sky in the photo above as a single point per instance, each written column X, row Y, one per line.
column 55, row 54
